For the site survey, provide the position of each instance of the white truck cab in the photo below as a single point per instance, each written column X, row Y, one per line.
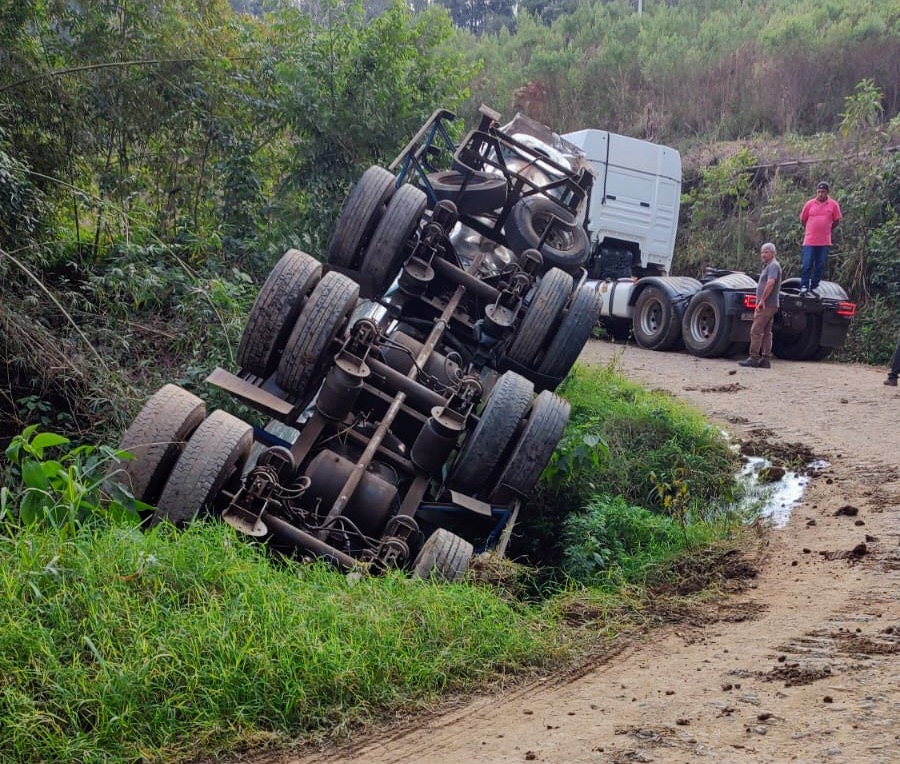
column 635, row 198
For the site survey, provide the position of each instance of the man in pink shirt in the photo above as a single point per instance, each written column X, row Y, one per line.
column 820, row 216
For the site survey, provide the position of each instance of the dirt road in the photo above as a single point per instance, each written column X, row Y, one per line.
column 803, row 667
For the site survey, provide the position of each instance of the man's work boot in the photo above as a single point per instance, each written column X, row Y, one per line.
column 892, row 381
column 765, row 363
column 753, row 363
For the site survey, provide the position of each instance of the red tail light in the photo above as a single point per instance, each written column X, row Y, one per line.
column 750, row 301
column 846, row 309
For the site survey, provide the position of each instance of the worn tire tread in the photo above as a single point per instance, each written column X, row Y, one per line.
column 277, row 305
column 325, row 311
column 212, row 455
column 156, row 438
column 550, row 297
column 359, row 215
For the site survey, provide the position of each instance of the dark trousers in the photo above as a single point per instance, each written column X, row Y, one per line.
column 761, row 333
column 895, row 364
column 813, row 265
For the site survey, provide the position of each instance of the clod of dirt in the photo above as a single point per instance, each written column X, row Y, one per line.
column 734, row 387
column 859, row 522
column 771, row 474
column 764, row 716
column 848, row 509
column 712, row 566
column 682, row 722
column 794, row 455
column 794, row 675
column 859, row 551
column 530, row 755
column 828, row 699
column 860, row 644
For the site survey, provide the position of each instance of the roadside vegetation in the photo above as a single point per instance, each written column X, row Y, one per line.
column 119, row 644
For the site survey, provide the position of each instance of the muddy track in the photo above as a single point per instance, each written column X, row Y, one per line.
column 804, row 665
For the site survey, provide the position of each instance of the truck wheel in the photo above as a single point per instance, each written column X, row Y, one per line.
column 481, row 452
column 482, row 192
column 156, row 438
column 385, row 252
column 548, row 301
column 275, row 310
column 566, row 245
column 328, row 307
column 444, row 555
column 656, row 325
column 705, row 328
column 532, row 451
column 574, row 331
column 360, row 213
column 799, row 347
column 213, row 457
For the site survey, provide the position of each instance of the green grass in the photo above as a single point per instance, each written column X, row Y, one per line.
column 119, row 645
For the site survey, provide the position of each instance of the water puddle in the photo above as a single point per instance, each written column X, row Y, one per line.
column 773, row 501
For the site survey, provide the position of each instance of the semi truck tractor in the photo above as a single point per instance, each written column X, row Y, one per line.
column 632, row 220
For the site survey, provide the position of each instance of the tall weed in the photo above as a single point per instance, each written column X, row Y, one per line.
column 610, row 543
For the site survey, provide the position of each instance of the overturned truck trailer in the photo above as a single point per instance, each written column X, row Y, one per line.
column 407, row 383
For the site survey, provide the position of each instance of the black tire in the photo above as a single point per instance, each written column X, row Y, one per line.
column 275, row 310
column 566, row 246
column 325, row 312
column 156, row 438
column 798, row 347
column 705, row 328
column 214, row 456
column 546, row 423
column 481, row 452
column 656, row 324
column 444, row 556
column 387, row 248
column 360, row 213
column 482, row 192
column 572, row 334
column 821, row 353
column 549, row 298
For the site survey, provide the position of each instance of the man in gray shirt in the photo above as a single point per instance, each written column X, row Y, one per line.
column 768, row 293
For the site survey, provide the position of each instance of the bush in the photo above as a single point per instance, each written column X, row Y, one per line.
column 623, row 440
column 611, row 541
